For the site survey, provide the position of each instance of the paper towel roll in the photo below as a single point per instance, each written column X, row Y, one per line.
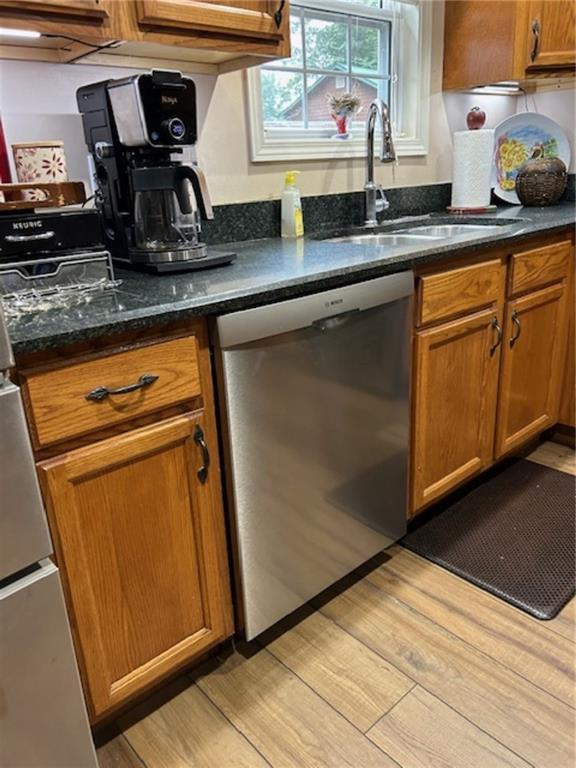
column 472, row 168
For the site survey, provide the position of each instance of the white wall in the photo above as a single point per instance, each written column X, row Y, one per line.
column 37, row 101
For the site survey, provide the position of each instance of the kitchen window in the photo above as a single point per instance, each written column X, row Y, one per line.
column 372, row 48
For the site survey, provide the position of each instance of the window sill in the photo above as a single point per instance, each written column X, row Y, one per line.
column 273, row 150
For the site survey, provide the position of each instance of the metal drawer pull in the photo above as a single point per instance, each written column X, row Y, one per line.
column 498, row 328
column 29, row 238
column 278, row 13
column 536, row 39
column 201, row 442
column 516, row 321
column 101, row 393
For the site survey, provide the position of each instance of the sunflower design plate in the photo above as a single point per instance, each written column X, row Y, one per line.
column 515, row 139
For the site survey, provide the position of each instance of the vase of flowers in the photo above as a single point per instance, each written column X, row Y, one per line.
column 343, row 107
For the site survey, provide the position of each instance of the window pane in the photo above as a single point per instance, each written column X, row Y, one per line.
column 367, row 89
column 295, row 59
column 282, row 98
column 318, row 89
column 366, row 47
column 326, row 43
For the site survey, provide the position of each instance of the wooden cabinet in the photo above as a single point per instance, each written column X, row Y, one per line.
column 490, row 361
column 532, row 366
column 553, row 34
column 235, row 28
column 488, row 42
column 208, row 36
column 242, row 18
column 86, row 20
column 110, row 388
column 456, row 291
column 456, row 383
column 84, row 9
column 567, row 415
column 141, row 555
column 134, row 502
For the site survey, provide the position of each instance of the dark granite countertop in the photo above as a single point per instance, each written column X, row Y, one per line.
column 266, row 271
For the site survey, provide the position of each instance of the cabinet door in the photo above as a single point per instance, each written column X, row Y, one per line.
column 266, row 19
column 87, row 9
column 456, row 380
column 140, row 542
column 567, row 415
column 552, row 33
column 532, row 369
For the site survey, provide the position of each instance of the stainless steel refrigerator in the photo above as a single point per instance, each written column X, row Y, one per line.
column 43, row 721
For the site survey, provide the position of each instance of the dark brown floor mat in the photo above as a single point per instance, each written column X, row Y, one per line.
column 512, row 534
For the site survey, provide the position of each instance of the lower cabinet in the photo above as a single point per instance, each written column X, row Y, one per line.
column 139, row 538
column 567, row 415
column 455, row 390
column 490, row 364
column 532, row 366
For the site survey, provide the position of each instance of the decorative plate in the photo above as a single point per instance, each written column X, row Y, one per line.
column 515, row 139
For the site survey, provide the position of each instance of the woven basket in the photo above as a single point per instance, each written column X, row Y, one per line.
column 541, row 181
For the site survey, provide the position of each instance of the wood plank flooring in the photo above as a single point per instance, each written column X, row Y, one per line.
column 410, row 666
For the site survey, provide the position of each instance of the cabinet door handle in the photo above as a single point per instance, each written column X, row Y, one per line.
column 279, row 12
column 535, row 40
column 515, row 336
column 201, row 442
column 101, row 393
column 498, row 328
column 28, row 238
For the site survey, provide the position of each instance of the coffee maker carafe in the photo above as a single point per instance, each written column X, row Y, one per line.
column 151, row 203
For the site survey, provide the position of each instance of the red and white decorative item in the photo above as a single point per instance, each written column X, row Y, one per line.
column 472, row 166
column 39, row 161
column 343, row 107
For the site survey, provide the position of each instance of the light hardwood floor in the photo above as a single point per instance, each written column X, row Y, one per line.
column 410, row 666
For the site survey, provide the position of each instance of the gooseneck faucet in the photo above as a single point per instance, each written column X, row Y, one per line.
column 376, row 200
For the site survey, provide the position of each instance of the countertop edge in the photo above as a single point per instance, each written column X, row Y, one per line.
column 282, row 290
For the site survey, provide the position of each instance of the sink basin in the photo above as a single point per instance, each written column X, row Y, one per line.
column 375, row 238
column 454, row 230
column 414, row 233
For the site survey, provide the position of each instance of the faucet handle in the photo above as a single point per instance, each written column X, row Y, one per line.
column 382, row 202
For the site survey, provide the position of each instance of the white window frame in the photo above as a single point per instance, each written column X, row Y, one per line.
column 299, row 144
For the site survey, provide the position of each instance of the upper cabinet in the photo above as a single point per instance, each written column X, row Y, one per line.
column 486, row 42
column 84, row 9
column 214, row 35
column 553, row 35
column 238, row 18
column 73, row 21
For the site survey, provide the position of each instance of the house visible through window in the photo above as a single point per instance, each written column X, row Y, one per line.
column 331, row 53
column 372, row 48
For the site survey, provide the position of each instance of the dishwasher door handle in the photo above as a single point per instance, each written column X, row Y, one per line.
column 259, row 323
column 330, row 322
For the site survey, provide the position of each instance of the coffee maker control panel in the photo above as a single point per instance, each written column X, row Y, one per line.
column 169, row 109
column 156, row 109
column 175, row 128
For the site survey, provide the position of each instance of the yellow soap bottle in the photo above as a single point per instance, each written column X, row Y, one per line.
column 292, row 221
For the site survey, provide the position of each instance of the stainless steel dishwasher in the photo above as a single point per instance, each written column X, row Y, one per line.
column 314, row 396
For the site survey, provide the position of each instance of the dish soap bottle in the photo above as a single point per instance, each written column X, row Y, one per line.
column 292, row 221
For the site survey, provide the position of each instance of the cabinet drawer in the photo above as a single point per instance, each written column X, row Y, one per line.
column 58, row 398
column 457, row 291
column 540, row 267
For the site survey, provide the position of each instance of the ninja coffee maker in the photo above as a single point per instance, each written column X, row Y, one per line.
column 150, row 202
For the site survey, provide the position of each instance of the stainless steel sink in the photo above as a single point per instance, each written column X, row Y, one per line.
column 414, row 234
column 455, row 230
column 380, row 238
